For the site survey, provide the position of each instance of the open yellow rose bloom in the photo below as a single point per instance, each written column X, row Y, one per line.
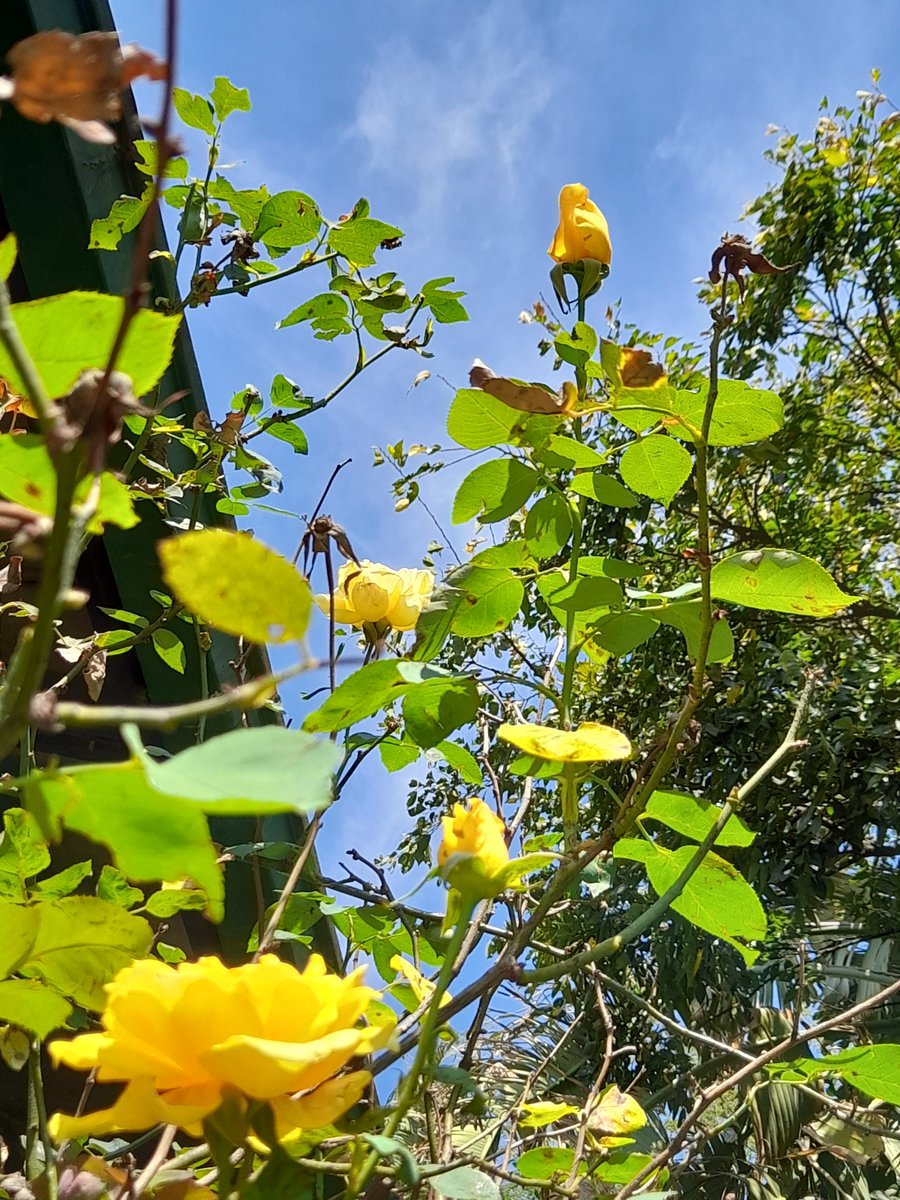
column 369, row 593
column 182, row 1037
column 583, row 231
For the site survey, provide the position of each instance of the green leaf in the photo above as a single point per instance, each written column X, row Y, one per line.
column 9, row 252
column 249, row 772
column 227, row 98
column 287, row 431
column 695, row 817
column 150, row 837
column 874, row 1070
column 742, row 414
column 657, row 466
column 604, row 488
column 359, row 238
column 567, row 452
column 114, row 887
column 288, row 219
column 465, row 1183
column 778, row 581
column 328, row 313
column 548, row 526
column 125, row 215
column 81, row 943
column 170, row 649
column 716, row 898
column 433, row 626
column 246, row 204
column 494, row 490
column 397, row 753
column 63, row 883
column 685, row 616
column 477, row 421
column 31, row 1005
column 167, row 903
column 445, row 306
column 386, row 1147
column 371, row 688
column 284, row 393
column 487, row 600
column 544, row 1162
column 434, row 708
column 585, row 594
column 19, row 925
column 620, row 1167
column 68, row 334
column 237, row 584
column 578, row 346
column 195, row 111
column 462, row 761
column 507, row 554
column 23, row 853
column 622, row 632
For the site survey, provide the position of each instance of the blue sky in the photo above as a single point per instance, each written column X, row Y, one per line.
column 460, row 122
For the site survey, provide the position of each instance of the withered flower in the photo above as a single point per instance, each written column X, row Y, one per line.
column 76, row 80
column 94, row 414
column 734, row 255
column 242, row 247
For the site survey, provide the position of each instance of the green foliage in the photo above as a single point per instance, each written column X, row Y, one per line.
column 66, row 335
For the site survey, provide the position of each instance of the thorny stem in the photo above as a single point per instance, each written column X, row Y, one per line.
column 427, row 1032
column 634, row 804
column 38, row 1132
column 247, row 695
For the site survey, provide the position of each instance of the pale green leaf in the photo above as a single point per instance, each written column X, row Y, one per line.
column 33, row 1006
column 226, row 98
column 694, row 817
column 81, row 943
column 657, row 466
column 778, row 581
column 494, row 490
column 68, row 334
column 716, row 898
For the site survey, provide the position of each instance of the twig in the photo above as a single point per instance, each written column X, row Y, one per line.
column 287, row 891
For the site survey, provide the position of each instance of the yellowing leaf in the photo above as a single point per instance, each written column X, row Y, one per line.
column 616, row 1113
column 237, row 584
column 545, row 1112
column 590, row 742
column 626, row 367
column 525, row 397
column 423, row 989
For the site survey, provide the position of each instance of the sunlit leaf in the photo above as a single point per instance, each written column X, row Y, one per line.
column 67, row 334
column 778, row 581
column 590, row 742
column 694, row 817
column 716, row 898
column 33, row 1006
column 657, row 466
column 494, row 490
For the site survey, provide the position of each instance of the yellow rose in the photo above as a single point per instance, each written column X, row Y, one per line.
column 182, row 1038
column 583, row 231
column 369, row 593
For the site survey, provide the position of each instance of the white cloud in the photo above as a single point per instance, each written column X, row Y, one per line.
column 458, row 110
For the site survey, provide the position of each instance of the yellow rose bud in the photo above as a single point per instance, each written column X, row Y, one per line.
column 473, row 854
column 184, row 1039
column 583, row 231
column 368, row 593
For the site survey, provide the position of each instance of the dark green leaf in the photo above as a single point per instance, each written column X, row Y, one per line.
column 434, row 708
column 287, row 431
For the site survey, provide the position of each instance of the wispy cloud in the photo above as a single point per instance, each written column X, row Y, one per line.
column 462, row 107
